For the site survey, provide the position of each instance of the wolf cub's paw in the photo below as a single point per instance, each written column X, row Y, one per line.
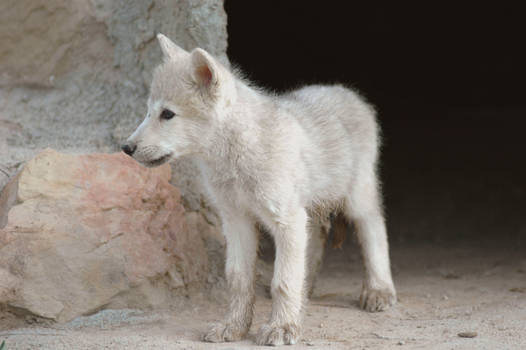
column 377, row 299
column 220, row 332
column 278, row 335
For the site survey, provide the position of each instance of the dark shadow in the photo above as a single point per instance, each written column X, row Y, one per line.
column 448, row 83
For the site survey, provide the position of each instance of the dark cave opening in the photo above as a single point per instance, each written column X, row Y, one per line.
column 448, row 85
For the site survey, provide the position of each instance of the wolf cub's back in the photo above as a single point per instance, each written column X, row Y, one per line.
column 327, row 108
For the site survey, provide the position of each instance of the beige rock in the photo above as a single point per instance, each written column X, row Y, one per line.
column 74, row 76
column 87, row 230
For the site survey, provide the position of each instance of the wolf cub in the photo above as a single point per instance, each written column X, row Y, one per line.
column 270, row 160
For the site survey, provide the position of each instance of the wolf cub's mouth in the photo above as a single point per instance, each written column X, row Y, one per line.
column 158, row 161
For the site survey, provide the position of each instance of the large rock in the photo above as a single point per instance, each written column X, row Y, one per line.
column 87, row 231
column 81, row 84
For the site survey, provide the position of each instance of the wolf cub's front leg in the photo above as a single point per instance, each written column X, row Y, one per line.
column 287, row 287
column 241, row 252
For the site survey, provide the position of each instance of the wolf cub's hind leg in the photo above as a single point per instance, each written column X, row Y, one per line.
column 287, row 288
column 363, row 208
column 241, row 251
column 319, row 228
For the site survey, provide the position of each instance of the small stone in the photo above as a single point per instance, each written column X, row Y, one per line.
column 401, row 342
column 379, row 336
column 467, row 334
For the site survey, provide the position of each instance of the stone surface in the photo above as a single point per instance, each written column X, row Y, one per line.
column 81, row 84
column 87, row 231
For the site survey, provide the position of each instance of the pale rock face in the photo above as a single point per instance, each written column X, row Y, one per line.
column 81, row 84
column 84, row 230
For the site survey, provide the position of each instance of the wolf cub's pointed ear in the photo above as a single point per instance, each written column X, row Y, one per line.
column 205, row 70
column 169, row 48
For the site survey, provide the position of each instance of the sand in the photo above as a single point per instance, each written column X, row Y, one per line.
column 444, row 289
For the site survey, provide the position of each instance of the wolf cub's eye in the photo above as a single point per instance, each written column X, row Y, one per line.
column 167, row 114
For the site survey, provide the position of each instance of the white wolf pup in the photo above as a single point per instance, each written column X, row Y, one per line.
column 269, row 160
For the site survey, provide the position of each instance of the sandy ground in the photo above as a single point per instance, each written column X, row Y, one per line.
column 444, row 289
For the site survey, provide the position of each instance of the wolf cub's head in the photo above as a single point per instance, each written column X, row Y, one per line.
column 189, row 95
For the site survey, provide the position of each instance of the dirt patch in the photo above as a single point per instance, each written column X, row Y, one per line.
column 484, row 297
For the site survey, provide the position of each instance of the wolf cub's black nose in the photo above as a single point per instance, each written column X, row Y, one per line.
column 128, row 149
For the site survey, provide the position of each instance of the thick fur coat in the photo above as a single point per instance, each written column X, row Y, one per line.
column 271, row 160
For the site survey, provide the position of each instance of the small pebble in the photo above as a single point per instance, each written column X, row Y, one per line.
column 401, row 342
column 467, row 334
column 379, row 336
column 309, row 343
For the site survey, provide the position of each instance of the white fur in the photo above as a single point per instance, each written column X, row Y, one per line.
column 270, row 160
